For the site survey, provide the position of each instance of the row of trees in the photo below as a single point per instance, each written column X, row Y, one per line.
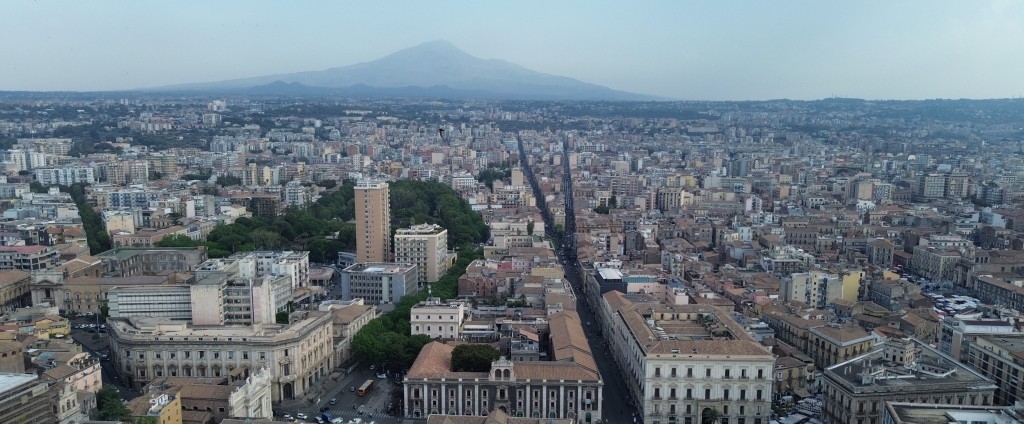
column 92, row 222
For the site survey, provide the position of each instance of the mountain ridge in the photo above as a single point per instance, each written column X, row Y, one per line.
column 436, row 66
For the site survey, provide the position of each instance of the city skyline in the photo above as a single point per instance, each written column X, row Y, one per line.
column 686, row 51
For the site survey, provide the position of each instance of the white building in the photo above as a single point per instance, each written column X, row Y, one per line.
column 378, row 283
column 680, row 362
column 437, row 319
column 425, row 245
column 65, row 175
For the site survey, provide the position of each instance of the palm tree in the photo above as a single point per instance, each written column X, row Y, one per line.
column 710, row 416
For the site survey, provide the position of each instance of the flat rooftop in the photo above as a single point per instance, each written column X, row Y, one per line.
column 924, row 413
column 380, row 268
column 9, row 381
column 930, row 370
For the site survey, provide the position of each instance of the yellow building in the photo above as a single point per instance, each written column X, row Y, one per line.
column 164, row 407
column 851, row 284
column 15, row 289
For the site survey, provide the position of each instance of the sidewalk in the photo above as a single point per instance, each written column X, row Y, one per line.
column 308, row 402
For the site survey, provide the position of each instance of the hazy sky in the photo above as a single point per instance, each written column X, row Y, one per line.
column 711, row 50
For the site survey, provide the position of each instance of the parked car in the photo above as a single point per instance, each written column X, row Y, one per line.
column 302, row 416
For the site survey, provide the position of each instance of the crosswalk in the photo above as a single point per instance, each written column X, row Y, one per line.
column 369, row 418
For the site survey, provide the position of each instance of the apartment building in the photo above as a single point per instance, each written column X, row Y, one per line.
column 349, row 318
column 425, row 245
column 1001, row 359
column 24, row 398
column 15, row 289
column 814, row 288
column 73, row 385
column 378, row 283
column 680, row 362
column 297, row 354
column 373, row 221
column 28, row 258
column 65, row 175
column 833, row 343
column 936, row 263
column 957, row 335
column 901, row 370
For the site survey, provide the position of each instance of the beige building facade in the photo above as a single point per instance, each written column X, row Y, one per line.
column 373, row 221
column 298, row 354
column 425, row 245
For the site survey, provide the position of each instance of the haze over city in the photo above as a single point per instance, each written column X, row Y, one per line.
column 745, row 50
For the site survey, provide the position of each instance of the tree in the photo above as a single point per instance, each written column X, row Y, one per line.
column 92, row 222
column 228, row 180
column 474, row 357
column 282, row 317
column 109, row 406
column 603, row 210
column 529, row 227
column 104, row 311
column 710, row 416
column 177, row 240
column 37, row 187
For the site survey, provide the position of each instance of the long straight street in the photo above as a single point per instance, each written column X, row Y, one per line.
column 617, row 406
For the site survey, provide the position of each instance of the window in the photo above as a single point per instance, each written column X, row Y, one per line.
column 673, row 372
column 689, row 393
column 760, row 373
column 672, row 393
column 759, row 395
column 689, row 372
column 743, row 394
column 657, row 372
column 707, row 393
column 707, row 372
column 657, row 393
column 727, row 373
column 725, row 394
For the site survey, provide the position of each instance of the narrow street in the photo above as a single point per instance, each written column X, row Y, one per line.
column 617, row 405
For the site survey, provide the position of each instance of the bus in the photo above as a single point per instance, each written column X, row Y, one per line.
column 365, row 388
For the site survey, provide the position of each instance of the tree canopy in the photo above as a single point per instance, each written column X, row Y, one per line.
column 109, row 406
column 92, row 222
column 474, row 357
